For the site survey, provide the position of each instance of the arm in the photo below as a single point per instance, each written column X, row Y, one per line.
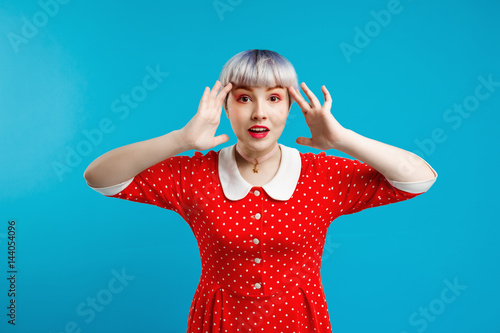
column 394, row 163
column 122, row 164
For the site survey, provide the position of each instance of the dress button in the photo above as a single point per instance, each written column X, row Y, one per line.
column 256, row 192
column 256, row 241
column 258, row 216
column 257, row 285
column 257, row 260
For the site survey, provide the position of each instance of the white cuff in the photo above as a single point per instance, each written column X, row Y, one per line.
column 114, row 189
column 415, row 187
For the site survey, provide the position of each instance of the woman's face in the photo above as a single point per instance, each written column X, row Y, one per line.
column 258, row 117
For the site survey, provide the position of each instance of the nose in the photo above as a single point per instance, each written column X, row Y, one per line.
column 259, row 111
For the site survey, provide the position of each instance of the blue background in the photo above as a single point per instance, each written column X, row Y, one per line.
column 381, row 266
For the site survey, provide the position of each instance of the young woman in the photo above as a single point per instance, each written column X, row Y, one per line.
column 258, row 209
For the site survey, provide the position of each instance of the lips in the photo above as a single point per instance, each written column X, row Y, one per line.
column 258, row 132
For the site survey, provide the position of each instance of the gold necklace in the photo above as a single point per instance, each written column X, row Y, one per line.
column 256, row 161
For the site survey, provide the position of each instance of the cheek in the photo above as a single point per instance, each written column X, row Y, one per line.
column 235, row 116
column 229, row 107
column 280, row 112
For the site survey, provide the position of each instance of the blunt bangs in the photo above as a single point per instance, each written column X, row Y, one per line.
column 259, row 68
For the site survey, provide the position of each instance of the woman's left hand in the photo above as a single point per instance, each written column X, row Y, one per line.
column 326, row 132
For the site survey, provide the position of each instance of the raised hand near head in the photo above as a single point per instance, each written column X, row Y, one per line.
column 326, row 132
column 199, row 132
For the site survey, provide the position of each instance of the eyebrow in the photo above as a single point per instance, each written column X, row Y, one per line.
column 249, row 88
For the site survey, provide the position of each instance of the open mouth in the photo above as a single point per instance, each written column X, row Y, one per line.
column 258, row 131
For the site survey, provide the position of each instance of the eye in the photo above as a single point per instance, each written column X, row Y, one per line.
column 243, row 99
column 275, row 98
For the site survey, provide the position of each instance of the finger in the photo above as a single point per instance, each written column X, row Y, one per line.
column 328, row 98
column 215, row 90
column 304, row 141
column 216, row 85
column 228, row 87
column 296, row 92
column 222, row 94
column 204, row 97
column 219, row 101
column 220, row 139
column 293, row 93
column 305, row 101
column 297, row 96
column 314, row 101
column 212, row 98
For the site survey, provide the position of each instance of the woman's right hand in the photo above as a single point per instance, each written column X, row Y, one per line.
column 199, row 132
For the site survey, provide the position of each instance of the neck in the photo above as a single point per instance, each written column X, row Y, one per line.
column 257, row 161
column 252, row 158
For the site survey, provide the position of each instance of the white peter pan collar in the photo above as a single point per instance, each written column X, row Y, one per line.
column 281, row 187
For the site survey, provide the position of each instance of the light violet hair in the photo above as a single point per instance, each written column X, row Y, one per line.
column 259, row 68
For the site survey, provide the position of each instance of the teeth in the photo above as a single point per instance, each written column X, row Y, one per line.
column 259, row 129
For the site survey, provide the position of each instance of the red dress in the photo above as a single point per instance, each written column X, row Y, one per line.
column 261, row 246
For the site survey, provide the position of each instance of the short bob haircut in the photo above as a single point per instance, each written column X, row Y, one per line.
column 259, row 68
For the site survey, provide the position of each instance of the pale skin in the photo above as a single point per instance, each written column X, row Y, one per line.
column 326, row 133
column 260, row 108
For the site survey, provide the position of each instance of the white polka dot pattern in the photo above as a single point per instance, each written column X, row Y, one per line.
column 261, row 258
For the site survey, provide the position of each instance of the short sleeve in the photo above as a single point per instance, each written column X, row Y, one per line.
column 360, row 186
column 166, row 184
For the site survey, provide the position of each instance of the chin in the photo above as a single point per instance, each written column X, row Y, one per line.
column 259, row 144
